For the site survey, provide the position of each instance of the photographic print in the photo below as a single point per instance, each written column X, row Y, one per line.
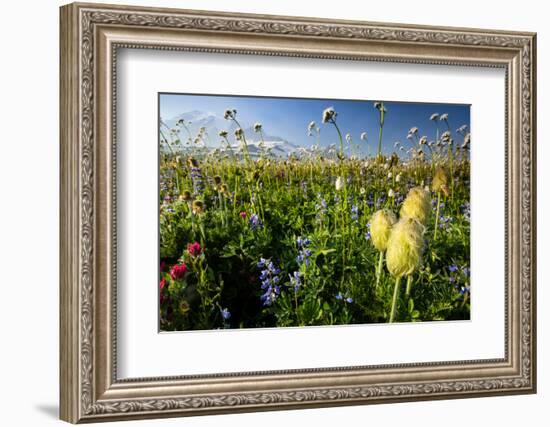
column 278, row 212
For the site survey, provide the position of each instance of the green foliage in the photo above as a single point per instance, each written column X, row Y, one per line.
column 259, row 208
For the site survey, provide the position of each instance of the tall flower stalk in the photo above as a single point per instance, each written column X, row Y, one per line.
column 439, row 185
column 404, row 255
column 380, row 228
column 382, row 111
column 450, row 145
column 329, row 116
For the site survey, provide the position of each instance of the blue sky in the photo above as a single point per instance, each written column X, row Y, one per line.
column 289, row 117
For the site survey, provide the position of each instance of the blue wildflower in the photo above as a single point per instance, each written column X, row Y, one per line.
column 354, row 212
column 272, row 268
column 197, row 179
column 255, row 222
column 453, row 268
column 321, row 209
column 339, row 296
column 225, row 314
column 367, row 236
column 269, row 278
column 466, row 271
column 295, row 280
column 301, row 242
column 464, row 290
column 349, row 300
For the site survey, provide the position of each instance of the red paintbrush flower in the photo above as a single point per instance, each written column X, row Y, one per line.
column 194, row 249
column 162, row 283
column 178, row 271
column 243, row 214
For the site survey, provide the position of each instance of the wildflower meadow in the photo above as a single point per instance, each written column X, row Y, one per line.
column 341, row 227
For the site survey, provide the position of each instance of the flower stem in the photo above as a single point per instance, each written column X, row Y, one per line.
column 379, row 268
column 341, row 140
column 437, row 213
column 409, row 284
column 394, row 299
column 379, row 155
column 451, row 169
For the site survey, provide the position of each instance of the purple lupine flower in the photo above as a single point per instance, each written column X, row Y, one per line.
column 301, row 242
column 367, row 236
column 255, row 222
column 295, row 280
column 320, row 208
column 370, row 201
column 197, row 179
column 269, row 277
column 354, row 212
column 465, row 208
column 226, row 315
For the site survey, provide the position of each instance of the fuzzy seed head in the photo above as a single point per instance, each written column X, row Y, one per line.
column 381, row 224
column 339, row 184
column 198, row 207
column 417, row 205
column 329, row 114
column 439, row 182
column 185, row 196
column 405, row 247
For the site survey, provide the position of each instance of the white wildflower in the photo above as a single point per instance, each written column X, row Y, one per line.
column 229, row 114
column 329, row 115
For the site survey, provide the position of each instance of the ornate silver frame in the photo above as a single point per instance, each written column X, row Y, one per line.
column 90, row 36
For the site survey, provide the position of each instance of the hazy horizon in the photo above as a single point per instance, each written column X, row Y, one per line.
column 288, row 118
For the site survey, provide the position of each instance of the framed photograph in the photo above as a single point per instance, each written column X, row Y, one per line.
column 267, row 212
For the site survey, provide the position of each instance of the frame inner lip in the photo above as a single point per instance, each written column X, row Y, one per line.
column 341, row 370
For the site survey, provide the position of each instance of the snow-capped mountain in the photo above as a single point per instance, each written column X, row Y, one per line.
column 213, row 124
